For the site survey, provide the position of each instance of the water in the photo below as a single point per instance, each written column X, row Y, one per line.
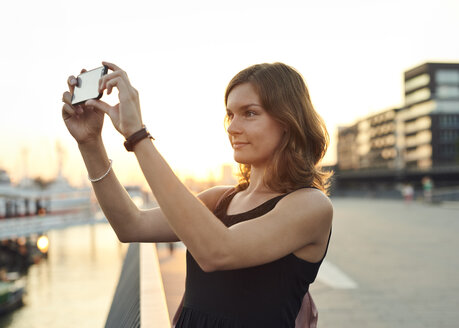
column 74, row 287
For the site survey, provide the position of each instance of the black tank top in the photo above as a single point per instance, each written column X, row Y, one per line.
column 267, row 295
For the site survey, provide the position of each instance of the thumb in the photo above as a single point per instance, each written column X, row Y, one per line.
column 100, row 105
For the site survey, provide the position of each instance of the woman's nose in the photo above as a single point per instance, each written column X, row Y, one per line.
column 234, row 126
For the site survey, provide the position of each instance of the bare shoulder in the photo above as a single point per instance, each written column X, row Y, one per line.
column 312, row 195
column 310, row 203
column 211, row 196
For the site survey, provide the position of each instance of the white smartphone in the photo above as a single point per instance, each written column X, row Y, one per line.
column 88, row 85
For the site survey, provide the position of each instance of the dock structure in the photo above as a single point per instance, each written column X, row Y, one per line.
column 27, row 212
column 26, row 226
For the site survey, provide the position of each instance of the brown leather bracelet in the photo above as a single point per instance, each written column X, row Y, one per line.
column 132, row 140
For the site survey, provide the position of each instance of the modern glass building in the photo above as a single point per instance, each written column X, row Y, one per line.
column 421, row 138
column 431, row 115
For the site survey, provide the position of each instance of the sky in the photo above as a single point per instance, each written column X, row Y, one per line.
column 180, row 55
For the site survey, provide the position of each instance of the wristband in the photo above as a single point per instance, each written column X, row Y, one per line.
column 132, row 140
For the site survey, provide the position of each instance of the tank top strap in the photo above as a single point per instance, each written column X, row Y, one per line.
column 328, row 243
column 224, row 198
column 230, row 219
column 223, row 202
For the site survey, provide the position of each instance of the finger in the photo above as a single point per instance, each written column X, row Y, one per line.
column 118, row 83
column 111, row 84
column 72, row 82
column 67, row 97
column 68, row 111
column 106, row 78
column 126, row 91
column 78, row 77
column 111, row 66
column 100, row 105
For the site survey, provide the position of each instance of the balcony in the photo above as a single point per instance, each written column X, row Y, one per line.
column 423, row 123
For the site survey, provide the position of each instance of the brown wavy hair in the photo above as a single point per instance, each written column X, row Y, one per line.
column 284, row 95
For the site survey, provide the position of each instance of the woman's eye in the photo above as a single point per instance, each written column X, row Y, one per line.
column 250, row 113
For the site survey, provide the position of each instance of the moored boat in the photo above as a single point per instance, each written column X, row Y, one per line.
column 11, row 296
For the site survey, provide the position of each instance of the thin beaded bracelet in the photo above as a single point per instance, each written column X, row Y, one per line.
column 104, row 175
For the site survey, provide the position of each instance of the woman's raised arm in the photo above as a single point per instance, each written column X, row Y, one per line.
column 85, row 125
column 129, row 222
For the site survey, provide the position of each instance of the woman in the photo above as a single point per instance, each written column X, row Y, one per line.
column 254, row 249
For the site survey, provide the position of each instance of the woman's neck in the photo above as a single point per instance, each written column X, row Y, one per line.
column 257, row 184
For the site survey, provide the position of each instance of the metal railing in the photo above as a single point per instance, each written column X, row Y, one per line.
column 139, row 299
column 446, row 194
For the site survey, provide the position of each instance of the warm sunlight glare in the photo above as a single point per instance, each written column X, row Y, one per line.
column 43, row 244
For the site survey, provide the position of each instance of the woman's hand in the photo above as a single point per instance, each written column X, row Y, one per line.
column 125, row 115
column 83, row 122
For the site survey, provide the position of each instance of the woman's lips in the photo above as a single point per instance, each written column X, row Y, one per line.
column 238, row 145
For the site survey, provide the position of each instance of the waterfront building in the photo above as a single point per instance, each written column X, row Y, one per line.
column 431, row 115
column 421, row 138
column 369, row 143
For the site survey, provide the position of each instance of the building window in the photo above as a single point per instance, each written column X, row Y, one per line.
column 444, row 135
column 447, row 150
column 450, row 106
column 447, row 91
column 417, row 82
column 449, row 121
column 449, row 135
column 447, row 76
column 442, row 121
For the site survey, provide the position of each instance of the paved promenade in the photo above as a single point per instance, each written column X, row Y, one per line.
column 173, row 274
column 390, row 264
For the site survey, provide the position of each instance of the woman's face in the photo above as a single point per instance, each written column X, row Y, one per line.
column 253, row 133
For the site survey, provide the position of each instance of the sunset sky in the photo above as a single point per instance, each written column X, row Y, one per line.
column 180, row 55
